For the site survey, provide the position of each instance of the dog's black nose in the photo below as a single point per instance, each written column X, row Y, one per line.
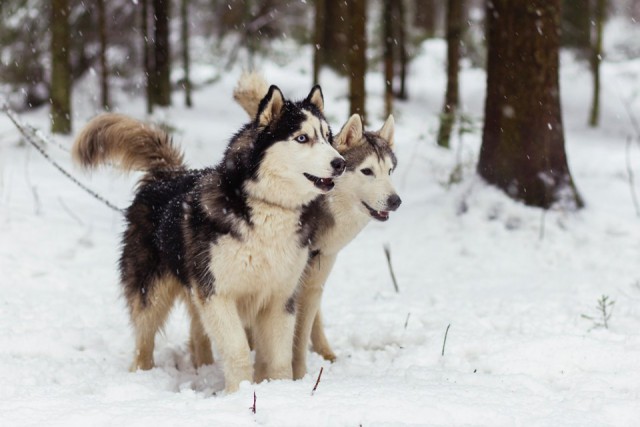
column 338, row 165
column 393, row 202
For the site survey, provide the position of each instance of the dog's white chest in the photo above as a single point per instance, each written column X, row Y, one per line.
column 267, row 259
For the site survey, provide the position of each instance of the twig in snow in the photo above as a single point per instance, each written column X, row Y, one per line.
column 69, row 211
column 387, row 253
column 253, row 408
column 632, row 185
column 444, row 342
column 317, row 381
column 605, row 307
column 406, row 322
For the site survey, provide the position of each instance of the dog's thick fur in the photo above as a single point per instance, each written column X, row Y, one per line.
column 231, row 241
column 363, row 192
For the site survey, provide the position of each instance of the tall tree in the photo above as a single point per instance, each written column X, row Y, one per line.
column 425, row 16
column 337, row 34
column 146, row 55
column 357, row 56
column 162, row 60
column 104, row 70
column 318, row 39
column 596, row 58
column 60, row 69
column 387, row 43
column 522, row 148
column 576, row 24
column 186, row 62
column 454, row 36
column 403, row 56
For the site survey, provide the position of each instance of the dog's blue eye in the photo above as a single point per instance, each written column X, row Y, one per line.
column 366, row 171
column 302, row 138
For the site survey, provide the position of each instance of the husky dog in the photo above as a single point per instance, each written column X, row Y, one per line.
column 232, row 240
column 363, row 192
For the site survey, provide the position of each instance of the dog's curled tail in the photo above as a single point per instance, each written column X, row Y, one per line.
column 125, row 143
column 249, row 91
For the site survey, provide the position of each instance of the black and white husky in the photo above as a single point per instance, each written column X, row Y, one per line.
column 232, row 241
column 362, row 193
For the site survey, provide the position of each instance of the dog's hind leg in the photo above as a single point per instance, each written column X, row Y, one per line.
column 199, row 342
column 221, row 320
column 309, row 298
column 319, row 342
column 148, row 316
column 273, row 339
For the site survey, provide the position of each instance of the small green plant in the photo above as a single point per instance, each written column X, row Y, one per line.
column 605, row 310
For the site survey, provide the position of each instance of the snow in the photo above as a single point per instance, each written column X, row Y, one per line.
column 512, row 282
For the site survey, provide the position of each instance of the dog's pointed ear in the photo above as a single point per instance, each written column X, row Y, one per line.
column 351, row 133
column 315, row 97
column 270, row 106
column 387, row 129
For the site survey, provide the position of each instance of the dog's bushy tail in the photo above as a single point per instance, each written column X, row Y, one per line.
column 249, row 91
column 126, row 143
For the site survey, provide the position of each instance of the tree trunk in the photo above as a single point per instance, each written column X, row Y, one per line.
column 454, row 35
column 576, row 24
column 162, row 63
column 337, row 34
column 522, row 142
column 318, row 39
column 186, row 62
column 425, row 16
column 357, row 56
column 146, row 55
column 596, row 58
column 60, row 69
column 401, row 23
column 387, row 43
column 104, row 70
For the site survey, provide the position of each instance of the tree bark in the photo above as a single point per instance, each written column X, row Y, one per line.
column 104, row 70
column 522, row 148
column 318, row 39
column 357, row 56
column 454, row 36
column 387, row 43
column 401, row 23
column 337, row 33
column 146, row 55
column 596, row 58
column 162, row 59
column 425, row 16
column 186, row 61
column 576, row 24
column 60, row 69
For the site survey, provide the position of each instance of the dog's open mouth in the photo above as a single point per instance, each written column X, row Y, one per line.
column 324, row 184
column 379, row 215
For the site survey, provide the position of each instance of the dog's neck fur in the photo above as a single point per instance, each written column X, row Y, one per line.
column 270, row 191
column 349, row 219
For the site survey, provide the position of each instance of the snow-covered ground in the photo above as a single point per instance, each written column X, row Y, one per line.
column 512, row 282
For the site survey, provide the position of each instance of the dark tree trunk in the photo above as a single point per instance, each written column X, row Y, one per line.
column 186, row 62
column 425, row 17
column 454, row 36
column 104, row 70
column 318, row 39
column 146, row 55
column 60, row 69
column 162, row 59
column 387, row 43
column 596, row 58
column 337, row 34
column 522, row 142
column 401, row 23
column 576, row 24
column 357, row 56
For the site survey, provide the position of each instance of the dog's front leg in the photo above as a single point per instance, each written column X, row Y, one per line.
column 222, row 323
column 309, row 298
column 273, row 339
